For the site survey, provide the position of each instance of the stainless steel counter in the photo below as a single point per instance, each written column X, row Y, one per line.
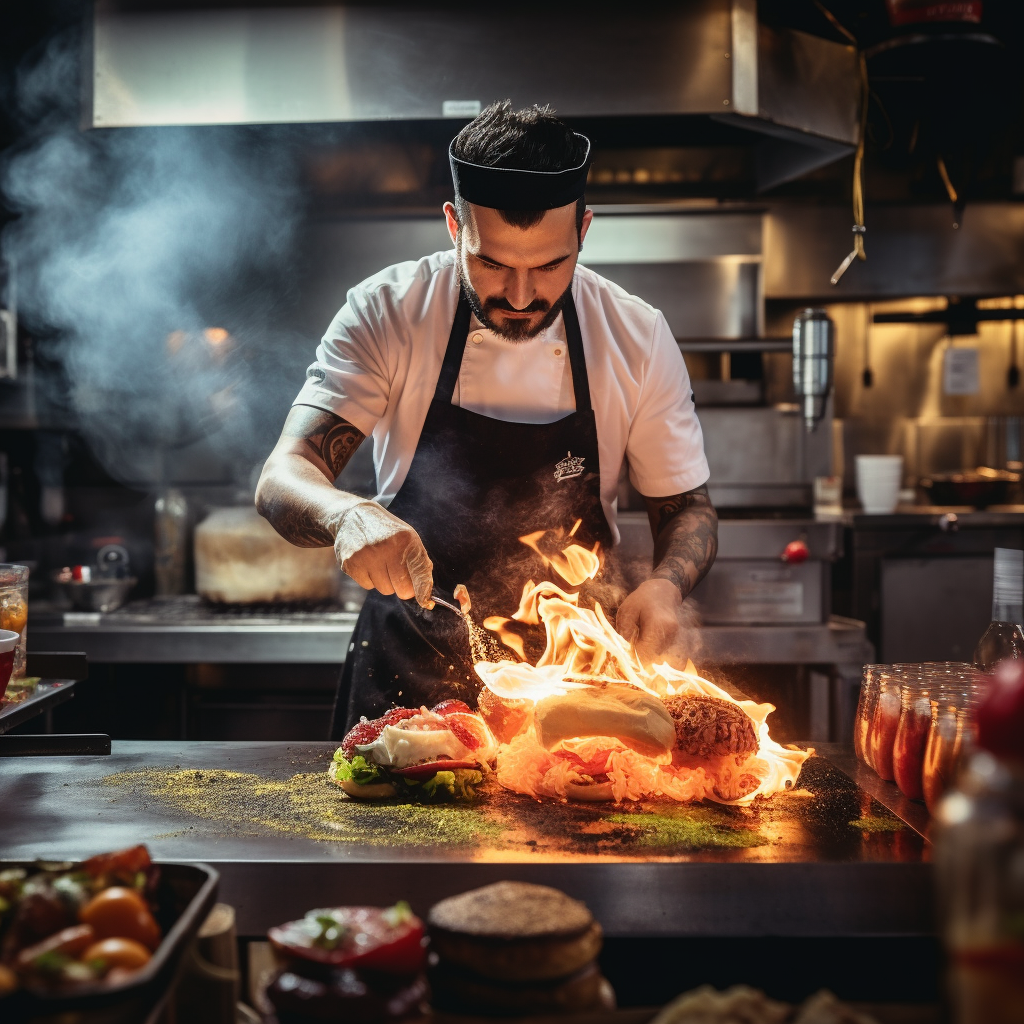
column 184, row 631
column 285, row 840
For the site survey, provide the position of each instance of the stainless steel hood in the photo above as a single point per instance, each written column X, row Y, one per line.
column 796, row 95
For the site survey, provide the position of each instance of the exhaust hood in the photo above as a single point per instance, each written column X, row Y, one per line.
column 793, row 96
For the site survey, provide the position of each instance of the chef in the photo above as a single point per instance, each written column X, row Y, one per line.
column 504, row 386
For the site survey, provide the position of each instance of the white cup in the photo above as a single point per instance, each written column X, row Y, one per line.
column 878, row 482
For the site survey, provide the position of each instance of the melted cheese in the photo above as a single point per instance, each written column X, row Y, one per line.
column 399, row 746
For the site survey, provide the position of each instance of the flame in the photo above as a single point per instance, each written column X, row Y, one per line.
column 584, row 650
column 575, row 564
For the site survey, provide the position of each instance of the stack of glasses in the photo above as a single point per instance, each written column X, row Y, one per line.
column 914, row 725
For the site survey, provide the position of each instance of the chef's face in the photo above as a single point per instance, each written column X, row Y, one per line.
column 516, row 278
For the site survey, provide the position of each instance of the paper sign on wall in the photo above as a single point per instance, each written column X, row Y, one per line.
column 960, row 371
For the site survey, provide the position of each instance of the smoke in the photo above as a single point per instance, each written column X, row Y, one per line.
column 127, row 244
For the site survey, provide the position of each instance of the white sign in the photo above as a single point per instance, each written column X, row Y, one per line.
column 460, row 108
column 960, row 371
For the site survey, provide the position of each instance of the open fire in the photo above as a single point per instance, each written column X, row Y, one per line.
column 589, row 720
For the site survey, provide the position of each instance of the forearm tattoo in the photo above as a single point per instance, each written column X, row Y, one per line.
column 685, row 528
column 289, row 502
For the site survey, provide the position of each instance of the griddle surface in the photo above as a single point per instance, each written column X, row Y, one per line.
column 197, row 800
column 791, row 865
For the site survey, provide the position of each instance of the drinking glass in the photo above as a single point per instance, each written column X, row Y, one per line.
column 884, row 723
column 865, row 711
column 949, row 731
column 14, row 610
column 912, row 733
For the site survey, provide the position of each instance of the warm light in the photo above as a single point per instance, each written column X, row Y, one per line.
column 216, row 335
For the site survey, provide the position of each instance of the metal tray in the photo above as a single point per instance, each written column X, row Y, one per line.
column 187, row 893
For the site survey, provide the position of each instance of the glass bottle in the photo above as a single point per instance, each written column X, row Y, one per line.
column 1004, row 638
column 14, row 610
column 979, row 860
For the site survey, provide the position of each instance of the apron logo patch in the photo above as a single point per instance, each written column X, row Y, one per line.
column 316, row 373
column 568, row 468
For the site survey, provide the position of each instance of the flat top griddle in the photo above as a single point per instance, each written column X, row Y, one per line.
column 823, row 859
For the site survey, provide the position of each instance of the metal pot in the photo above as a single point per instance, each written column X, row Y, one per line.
column 96, row 595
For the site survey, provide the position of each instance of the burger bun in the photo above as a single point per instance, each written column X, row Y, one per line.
column 590, row 792
column 371, row 791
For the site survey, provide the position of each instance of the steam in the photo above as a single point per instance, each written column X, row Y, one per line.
column 127, row 235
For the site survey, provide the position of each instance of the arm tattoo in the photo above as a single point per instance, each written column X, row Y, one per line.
column 685, row 529
column 326, row 443
column 330, row 439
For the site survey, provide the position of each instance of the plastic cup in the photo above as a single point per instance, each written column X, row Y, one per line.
column 878, row 482
column 8, row 641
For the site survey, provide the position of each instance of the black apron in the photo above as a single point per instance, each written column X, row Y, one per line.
column 474, row 487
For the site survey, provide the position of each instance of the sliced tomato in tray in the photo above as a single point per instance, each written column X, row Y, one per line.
column 372, row 938
column 428, row 768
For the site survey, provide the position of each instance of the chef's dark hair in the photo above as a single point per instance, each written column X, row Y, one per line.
column 532, row 139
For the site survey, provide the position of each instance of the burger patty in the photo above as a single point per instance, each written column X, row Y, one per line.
column 711, row 727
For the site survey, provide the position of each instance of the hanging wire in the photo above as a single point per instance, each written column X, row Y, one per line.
column 857, row 253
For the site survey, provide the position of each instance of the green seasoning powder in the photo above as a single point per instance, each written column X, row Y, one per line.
column 880, row 823
column 308, row 805
column 688, row 828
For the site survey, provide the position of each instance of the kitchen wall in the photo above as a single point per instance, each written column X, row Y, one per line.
column 890, row 396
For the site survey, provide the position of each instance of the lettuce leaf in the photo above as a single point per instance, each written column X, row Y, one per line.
column 359, row 770
column 458, row 784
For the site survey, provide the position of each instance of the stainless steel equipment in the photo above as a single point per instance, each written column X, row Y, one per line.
column 813, row 355
column 792, row 96
column 768, row 572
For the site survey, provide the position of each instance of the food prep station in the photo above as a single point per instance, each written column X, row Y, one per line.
column 715, row 200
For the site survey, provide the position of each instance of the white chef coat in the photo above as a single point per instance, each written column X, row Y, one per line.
column 378, row 364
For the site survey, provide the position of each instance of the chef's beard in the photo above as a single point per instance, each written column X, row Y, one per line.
column 509, row 330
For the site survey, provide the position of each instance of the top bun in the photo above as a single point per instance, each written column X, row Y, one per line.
column 506, row 911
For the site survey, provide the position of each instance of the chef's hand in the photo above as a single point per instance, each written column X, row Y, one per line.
column 380, row 552
column 654, row 620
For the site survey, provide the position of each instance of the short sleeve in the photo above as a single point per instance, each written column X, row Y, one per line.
column 350, row 374
column 665, row 447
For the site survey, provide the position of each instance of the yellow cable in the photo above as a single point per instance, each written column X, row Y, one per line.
column 944, row 174
column 858, row 252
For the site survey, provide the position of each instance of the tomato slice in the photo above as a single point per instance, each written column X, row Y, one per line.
column 373, row 938
column 428, row 768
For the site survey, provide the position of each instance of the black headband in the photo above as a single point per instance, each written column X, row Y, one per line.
column 505, row 188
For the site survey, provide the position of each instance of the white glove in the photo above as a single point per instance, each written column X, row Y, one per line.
column 381, row 552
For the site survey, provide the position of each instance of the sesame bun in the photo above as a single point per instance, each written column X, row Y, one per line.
column 515, row 932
